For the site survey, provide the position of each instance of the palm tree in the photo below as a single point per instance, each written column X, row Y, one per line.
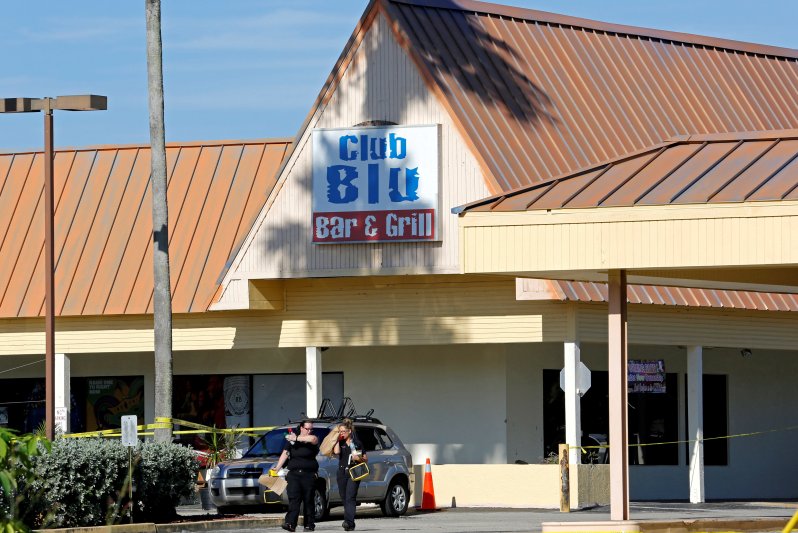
column 162, row 297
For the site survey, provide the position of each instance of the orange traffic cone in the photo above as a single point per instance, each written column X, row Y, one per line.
column 428, row 497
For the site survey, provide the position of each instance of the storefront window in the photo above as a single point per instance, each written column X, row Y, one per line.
column 96, row 402
column 653, row 419
column 716, row 420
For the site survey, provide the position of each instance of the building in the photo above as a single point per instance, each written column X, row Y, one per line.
column 524, row 107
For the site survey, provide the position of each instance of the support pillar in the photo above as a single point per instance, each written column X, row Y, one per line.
column 617, row 365
column 695, row 421
column 573, row 416
column 62, row 393
column 313, row 380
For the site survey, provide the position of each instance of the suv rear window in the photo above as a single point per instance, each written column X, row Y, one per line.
column 272, row 442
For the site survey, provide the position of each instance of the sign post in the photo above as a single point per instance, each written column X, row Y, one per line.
column 130, row 438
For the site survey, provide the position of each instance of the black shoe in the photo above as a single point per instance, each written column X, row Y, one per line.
column 288, row 527
column 348, row 527
column 310, row 528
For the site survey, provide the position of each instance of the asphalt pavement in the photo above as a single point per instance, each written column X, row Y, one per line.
column 659, row 516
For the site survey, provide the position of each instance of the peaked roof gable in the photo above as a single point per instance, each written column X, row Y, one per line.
column 539, row 95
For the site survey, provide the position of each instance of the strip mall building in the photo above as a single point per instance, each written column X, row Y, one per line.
column 435, row 243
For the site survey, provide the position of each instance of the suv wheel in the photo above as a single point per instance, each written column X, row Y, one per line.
column 396, row 500
column 321, row 511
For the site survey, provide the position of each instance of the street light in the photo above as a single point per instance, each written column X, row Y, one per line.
column 82, row 102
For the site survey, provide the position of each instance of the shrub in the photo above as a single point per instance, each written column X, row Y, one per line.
column 80, row 481
column 84, row 482
column 166, row 473
column 17, row 455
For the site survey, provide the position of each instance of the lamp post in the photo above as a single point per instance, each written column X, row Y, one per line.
column 83, row 102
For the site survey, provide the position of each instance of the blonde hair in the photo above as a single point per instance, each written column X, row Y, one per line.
column 346, row 423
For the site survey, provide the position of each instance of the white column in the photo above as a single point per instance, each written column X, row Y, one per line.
column 695, row 421
column 573, row 416
column 62, row 392
column 617, row 341
column 313, row 380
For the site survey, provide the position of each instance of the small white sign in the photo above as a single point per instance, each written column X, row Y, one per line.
column 61, row 418
column 583, row 381
column 130, row 430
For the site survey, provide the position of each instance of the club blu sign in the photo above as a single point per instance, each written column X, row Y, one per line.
column 375, row 184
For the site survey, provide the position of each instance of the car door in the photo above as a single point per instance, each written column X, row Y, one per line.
column 368, row 440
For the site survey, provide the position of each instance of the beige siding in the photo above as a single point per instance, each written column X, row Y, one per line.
column 755, row 234
column 649, row 324
column 280, row 246
column 325, row 312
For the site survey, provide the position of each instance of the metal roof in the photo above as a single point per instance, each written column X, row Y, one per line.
column 701, row 169
column 103, row 224
column 539, row 95
column 577, row 291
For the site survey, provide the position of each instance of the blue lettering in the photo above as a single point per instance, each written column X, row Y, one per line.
column 398, row 146
column 339, row 184
column 374, row 183
column 343, row 148
column 411, row 185
column 378, row 148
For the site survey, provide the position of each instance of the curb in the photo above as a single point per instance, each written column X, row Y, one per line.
column 233, row 524
column 712, row 524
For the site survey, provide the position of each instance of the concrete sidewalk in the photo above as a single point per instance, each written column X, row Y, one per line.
column 654, row 517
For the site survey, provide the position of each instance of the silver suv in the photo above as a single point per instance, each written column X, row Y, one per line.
column 235, row 483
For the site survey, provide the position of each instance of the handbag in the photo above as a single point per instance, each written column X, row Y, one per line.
column 359, row 471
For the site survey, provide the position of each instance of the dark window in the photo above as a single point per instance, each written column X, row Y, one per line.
column 653, row 419
column 367, row 438
column 716, row 420
column 384, row 439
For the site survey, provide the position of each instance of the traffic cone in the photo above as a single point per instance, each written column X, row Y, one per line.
column 428, row 497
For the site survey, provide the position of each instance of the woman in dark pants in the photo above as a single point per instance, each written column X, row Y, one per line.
column 349, row 451
column 299, row 456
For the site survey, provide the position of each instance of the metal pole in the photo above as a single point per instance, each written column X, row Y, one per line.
column 49, row 268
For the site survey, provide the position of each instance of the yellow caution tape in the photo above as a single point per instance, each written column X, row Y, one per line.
column 167, row 423
column 640, row 444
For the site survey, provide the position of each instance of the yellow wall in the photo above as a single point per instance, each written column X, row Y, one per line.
column 762, row 233
column 403, row 311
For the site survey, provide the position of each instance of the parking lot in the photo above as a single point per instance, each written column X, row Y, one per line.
column 369, row 517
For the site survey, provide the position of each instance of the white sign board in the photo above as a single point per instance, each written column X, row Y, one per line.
column 582, row 379
column 130, row 430
column 376, row 184
column 61, row 418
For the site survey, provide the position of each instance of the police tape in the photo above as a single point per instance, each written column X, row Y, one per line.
column 171, row 423
column 641, row 444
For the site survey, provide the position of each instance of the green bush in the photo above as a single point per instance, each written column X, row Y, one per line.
column 166, row 473
column 83, row 482
column 80, row 481
column 17, row 456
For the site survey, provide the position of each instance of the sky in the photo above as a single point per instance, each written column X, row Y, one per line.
column 251, row 69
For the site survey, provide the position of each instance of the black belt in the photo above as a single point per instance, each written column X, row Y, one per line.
column 303, row 471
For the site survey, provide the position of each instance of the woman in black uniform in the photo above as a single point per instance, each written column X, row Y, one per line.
column 349, row 451
column 299, row 457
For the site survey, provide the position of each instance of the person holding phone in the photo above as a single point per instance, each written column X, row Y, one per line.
column 299, row 457
column 350, row 452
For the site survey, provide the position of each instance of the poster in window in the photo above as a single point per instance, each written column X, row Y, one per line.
column 109, row 398
column 646, row 376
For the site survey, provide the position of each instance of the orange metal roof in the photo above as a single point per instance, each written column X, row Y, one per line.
column 696, row 169
column 674, row 296
column 538, row 95
column 103, row 224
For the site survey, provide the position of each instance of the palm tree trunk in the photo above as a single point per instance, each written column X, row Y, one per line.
column 162, row 298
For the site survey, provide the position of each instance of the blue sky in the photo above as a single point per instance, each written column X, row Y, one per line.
column 245, row 69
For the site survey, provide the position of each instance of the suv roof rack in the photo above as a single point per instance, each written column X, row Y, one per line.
column 328, row 413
